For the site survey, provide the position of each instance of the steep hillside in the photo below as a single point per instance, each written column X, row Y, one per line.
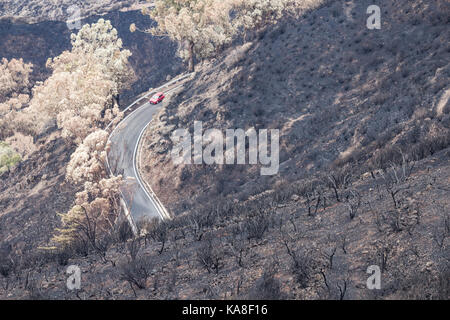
column 338, row 92
column 268, row 248
column 34, row 192
column 364, row 175
column 32, row 195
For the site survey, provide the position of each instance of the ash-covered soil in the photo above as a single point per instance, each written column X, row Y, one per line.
column 339, row 93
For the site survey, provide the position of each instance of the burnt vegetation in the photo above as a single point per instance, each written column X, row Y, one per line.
column 307, row 257
column 304, row 234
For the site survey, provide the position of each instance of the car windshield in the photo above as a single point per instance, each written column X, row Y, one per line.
column 155, row 96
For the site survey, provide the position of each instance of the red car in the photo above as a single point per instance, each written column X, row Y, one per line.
column 157, row 98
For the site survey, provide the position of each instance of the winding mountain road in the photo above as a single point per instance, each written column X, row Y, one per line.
column 140, row 202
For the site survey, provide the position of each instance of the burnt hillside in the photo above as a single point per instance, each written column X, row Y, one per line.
column 364, row 175
column 340, row 94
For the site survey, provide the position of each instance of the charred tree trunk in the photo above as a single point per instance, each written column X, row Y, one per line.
column 191, row 57
column 116, row 99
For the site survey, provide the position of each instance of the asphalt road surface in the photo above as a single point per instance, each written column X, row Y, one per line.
column 124, row 141
column 140, row 202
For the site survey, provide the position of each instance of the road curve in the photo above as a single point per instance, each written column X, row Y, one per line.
column 124, row 142
column 139, row 202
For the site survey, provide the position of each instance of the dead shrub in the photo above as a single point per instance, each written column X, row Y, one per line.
column 210, row 257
